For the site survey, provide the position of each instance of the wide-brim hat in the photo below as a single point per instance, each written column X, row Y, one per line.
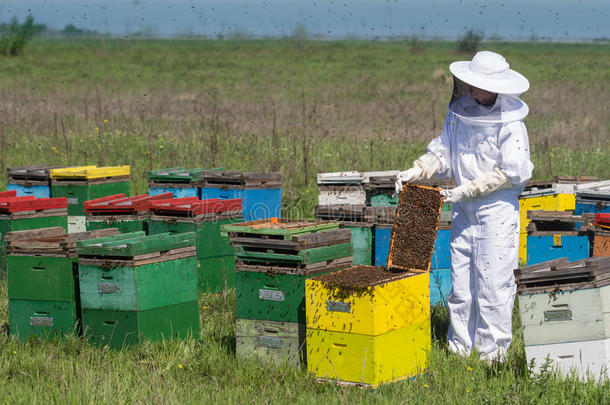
column 490, row 71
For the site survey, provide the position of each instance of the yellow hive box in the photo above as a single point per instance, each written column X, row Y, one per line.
column 552, row 202
column 369, row 360
column 89, row 172
column 381, row 308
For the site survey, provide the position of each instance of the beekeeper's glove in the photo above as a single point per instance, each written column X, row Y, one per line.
column 483, row 185
column 423, row 169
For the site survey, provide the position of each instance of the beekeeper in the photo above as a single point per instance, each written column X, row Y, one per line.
column 484, row 146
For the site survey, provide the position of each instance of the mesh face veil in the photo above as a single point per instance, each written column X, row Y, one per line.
column 460, row 89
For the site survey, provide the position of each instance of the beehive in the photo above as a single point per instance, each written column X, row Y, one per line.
column 372, row 333
column 565, row 311
column 43, row 281
column 370, row 325
column 128, row 214
column 135, row 287
column 555, row 234
column 179, row 181
column 33, row 180
column 84, row 183
column 274, row 259
column 340, row 188
column 261, row 193
column 204, row 218
column 548, row 199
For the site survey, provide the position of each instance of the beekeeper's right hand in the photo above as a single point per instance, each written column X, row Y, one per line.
column 408, row 176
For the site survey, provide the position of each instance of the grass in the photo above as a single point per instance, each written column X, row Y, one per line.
column 205, row 370
column 297, row 107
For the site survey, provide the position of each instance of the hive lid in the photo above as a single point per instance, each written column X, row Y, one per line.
column 415, row 228
column 133, row 244
column 283, row 227
column 228, row 178
column 333, row 178
column 31, row 203
column 120, row 204
column 192, row 206
column 90, row 172
column 52, row 241
column 176, row 175
column 31, row 172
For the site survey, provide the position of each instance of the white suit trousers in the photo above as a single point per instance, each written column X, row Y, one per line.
column 484, row 253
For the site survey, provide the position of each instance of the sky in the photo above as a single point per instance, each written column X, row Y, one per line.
column 571, row 20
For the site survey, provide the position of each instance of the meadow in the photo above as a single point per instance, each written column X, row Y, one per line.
column 294, row 106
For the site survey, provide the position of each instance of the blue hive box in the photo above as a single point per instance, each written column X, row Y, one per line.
column 544, row 248
column 261, row 193
column 179, row 181
column 30, row 180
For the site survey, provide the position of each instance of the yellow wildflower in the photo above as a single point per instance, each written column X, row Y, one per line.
column 179, row 365
column 469, row 368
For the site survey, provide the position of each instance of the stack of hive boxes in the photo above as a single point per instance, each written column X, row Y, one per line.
column 565, row 312
column 128, row 214
column 370, row 325
column 31, row 180
column 84, row 183
column 215, row 262
column 555, row 234
column 593, row 198
column 553, row 195
column 342, row 197
column 365, row 203
column 179, row 181
column 43, row 287
column 135, row 287
column 22, row 213
column 273, row 260
column 261, row 193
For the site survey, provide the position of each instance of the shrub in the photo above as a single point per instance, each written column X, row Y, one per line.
column 14, row 36
column 470, row 42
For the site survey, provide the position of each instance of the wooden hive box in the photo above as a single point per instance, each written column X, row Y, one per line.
column 43, row 281
column 136, row 287
column 271, row 341
column 555, row 234
column 128, row 214
column 274, row 258
column 33, row 180
column 341, row 188
column 370, row 325
column 261, row 193
column 84, row 183
column 562, row 301
column 179, row 181
column 215, row 262
column 354, row 332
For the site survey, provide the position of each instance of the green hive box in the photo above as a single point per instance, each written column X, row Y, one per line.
column 135, row 287
column 8, row 223
column 40, row 318
column 124, row 223
column 362, row 242
column 214, row 251
column 271, row 342
column 79, row 191
column 41, row 278
column 119, row 329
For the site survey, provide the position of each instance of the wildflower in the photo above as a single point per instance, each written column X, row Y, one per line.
column 205, row 307
column 179, row 365
column 467, row 390
column 426, row 385
column 14, row 351
column 469, row 368
column 106, row 121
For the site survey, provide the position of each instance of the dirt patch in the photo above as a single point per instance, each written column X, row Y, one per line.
column 414, row 230
column 358, row 280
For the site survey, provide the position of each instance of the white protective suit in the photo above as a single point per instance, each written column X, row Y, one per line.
column 475, row 141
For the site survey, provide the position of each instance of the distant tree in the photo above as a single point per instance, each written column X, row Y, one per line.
column 300, row 32
column 470, row 41
column 14, row 36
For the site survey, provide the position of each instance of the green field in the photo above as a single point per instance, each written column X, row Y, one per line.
column 297, row 107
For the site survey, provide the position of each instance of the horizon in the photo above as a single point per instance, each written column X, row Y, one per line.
column 544, row 20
